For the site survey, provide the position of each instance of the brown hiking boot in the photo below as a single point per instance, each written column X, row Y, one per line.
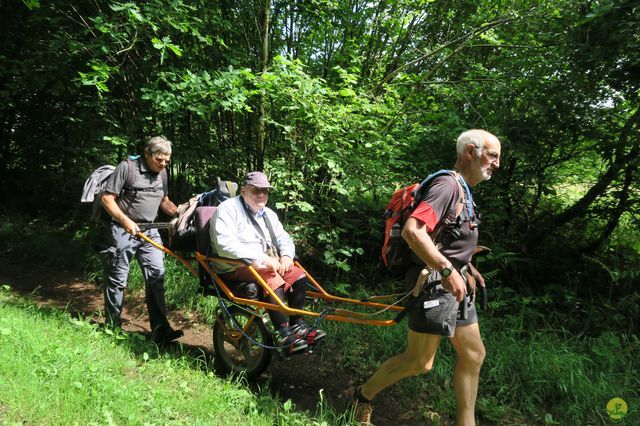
column 361, row 410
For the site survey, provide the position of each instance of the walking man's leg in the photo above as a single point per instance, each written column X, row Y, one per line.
column 151, row 261
column 470, row 355
column 116, row 261
column 416, row 359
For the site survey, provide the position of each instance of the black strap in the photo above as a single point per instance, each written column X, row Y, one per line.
column 272, row 234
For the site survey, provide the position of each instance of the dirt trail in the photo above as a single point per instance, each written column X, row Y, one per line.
column 300, row 378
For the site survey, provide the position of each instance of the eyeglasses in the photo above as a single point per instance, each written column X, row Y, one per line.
column 161, row 159
column 493, row 155
column 259, row 191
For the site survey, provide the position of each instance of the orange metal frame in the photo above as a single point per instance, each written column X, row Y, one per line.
column 343, row 315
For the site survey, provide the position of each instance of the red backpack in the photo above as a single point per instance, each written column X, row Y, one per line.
column 396, row 253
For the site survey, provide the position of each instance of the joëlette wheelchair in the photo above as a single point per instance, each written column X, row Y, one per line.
column 242, row 340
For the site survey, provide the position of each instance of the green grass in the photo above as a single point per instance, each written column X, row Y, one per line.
column 563, row 377
column 545, row 376
column 56, row 370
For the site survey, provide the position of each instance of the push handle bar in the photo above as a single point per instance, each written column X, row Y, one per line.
column 153, row 225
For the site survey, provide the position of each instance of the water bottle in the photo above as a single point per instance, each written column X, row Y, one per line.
column 394, row 250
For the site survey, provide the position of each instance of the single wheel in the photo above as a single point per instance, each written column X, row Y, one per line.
column 239, row 342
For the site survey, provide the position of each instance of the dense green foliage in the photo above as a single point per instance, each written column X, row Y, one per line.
column 341, row 102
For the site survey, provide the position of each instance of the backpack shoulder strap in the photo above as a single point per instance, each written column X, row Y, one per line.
column 421, row 189
column 464, row 195
column 457, row 200
column 460, row 194
column 131, row 173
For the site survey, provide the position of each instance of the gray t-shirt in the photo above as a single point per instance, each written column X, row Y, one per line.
column 142, row 201
column 435, row 207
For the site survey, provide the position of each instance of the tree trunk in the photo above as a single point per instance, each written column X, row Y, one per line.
column 621, row 160
column 264, row 62
column 623, row 203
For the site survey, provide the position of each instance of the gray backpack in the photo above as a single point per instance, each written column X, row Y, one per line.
column 96, row 183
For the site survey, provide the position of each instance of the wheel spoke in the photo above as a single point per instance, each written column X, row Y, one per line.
column 239, row 341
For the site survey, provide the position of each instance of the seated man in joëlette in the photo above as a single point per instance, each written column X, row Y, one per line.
column 244, row 228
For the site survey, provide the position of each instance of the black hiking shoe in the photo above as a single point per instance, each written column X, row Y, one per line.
column 167, row 335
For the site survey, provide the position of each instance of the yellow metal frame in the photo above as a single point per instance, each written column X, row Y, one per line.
column 343, row 315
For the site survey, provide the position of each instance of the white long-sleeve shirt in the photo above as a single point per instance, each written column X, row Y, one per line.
column 234, row 236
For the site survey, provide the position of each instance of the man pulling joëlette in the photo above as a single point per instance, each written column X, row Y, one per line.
column 437, row 313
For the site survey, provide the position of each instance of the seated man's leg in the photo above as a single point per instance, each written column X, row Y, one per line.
column 278, row 318
column 291, row 288
column 293, row 285
column 285, row 337
column 296, row 295
column 281, row 286
column 242, row 283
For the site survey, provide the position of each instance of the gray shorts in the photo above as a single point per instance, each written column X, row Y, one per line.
column 437, row 312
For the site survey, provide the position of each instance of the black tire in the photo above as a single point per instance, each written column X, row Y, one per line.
column 239, row 342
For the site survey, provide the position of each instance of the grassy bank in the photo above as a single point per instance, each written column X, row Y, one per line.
column 544, row 376
column 56, row 370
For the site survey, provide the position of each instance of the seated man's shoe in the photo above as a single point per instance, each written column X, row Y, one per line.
column 163, row 336
column 289, row 342
column 308, row 333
